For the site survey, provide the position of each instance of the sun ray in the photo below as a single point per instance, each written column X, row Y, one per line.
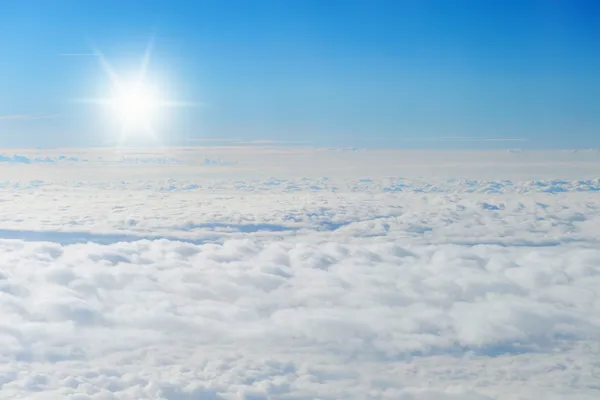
column 151, row 133
column 146, row 60
column 135, row 103
column 108, row 68
column 122, row 137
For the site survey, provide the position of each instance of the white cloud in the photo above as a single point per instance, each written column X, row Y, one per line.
column 79, row 54
column 469, row 138
column 281, row 317
column 211, row 139
column 20, row 159
column 272, row 142
column 483, row 138
column 180, row 281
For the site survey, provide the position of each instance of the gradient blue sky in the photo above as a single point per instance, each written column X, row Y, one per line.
column 412, row 74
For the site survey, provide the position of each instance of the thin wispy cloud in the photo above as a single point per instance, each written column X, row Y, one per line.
column 26, row 116
column 273, row 142
column 79, row 54
column 481, row 138
column 468, row 138
column 244, row 142
column 210, row 139
column 263, row 141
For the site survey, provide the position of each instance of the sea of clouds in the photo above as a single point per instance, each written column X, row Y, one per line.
column 297, row 273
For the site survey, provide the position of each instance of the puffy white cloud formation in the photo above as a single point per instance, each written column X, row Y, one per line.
column 296, row 288
column 164, row 318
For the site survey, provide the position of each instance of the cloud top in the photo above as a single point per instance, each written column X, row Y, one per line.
column 360, row 312
column 352, row 285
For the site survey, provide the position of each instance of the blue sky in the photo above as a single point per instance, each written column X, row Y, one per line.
column 407, row 74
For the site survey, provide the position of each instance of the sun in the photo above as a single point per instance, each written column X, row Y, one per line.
column 135, row 104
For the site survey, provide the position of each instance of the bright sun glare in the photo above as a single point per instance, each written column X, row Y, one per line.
column 136, row 103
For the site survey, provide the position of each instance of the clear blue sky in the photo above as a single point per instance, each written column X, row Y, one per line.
column 414, row 74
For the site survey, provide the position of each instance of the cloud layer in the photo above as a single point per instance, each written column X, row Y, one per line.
column 19, row 159
column 279, row 317
column 161, row 280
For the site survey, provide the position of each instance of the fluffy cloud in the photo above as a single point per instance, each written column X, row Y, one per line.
column 329, row 320
column 138, row 286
